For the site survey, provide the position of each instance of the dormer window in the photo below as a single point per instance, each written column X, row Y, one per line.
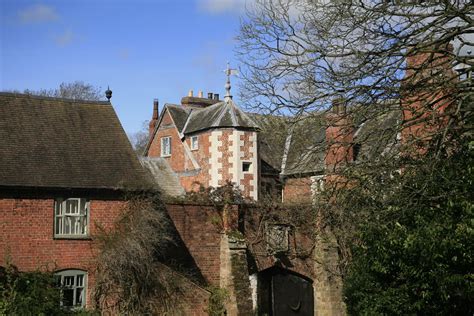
column 166, row 146
column 194, row 143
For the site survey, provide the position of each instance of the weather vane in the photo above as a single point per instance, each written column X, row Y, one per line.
column 229, row 72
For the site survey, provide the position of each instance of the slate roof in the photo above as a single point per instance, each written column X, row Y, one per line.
column 305, row 146
column 179, row 115
column 375, row 135
column 272, row 137
column 222, row 114
column 162, row 174
column 376, row 131
column 61, row 143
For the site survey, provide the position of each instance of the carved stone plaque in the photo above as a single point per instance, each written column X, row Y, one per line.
column 276, row 237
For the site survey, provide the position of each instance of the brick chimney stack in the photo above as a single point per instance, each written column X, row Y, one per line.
column 200, row 101
column 425, row 95
column 154, row 118
column 339, row 136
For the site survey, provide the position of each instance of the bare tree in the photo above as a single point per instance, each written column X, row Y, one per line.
column 402, row 68
column 298, row 55
column 130, row 276
column 140, row 139
column 74, row 90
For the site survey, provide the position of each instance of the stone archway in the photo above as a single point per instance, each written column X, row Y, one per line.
column 282, row 292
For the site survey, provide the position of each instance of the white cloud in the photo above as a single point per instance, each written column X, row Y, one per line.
column 222, row 6
column 65, row 38
column 38, row 13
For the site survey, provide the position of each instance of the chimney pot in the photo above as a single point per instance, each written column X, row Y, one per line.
column 216, row 96
column 209, row 95
column 200, row 94
column 154, row 118
column 190, row 93
column 155, row 109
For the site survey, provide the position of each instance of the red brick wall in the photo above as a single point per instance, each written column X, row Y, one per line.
column 426, row 100
column 26, row 236
column 168, row 129
column 339, row 139
column 201, row 155
column 297, row 190
column 200, row 229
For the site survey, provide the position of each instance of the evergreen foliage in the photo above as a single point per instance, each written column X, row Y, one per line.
column 28, row 293
column 415, row 254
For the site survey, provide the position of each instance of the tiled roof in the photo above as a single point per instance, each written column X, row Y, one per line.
column 61, row 143
column 162, row 174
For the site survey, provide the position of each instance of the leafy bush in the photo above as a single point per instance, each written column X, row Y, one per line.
column 28, row 293
column 217, row 301
column 32, row 293
column 415, row 255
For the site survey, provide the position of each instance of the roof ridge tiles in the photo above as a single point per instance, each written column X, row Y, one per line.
column 41, row 97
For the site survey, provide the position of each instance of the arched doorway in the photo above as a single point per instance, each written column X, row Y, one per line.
column 282, row 292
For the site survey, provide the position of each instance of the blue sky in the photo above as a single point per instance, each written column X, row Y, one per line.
column 143, row 49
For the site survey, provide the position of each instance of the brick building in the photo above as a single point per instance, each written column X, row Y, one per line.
column 65, row 167
column 196, row 143
column 207, row 142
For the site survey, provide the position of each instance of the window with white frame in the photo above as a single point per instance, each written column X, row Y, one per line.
column 71, row 217
column 165, row 146
column 246, row 166
column 194, row 143
column 73, row 285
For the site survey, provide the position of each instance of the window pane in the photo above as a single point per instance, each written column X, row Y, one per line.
column 80, row 280
column 83, row 208
column 72, row 206
column 67, row 225
column 83, row 225
column 75, row 225
column 57, row 207
column 68, row 297
column 79, row 297
column 68, row 281
column 59, row 222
